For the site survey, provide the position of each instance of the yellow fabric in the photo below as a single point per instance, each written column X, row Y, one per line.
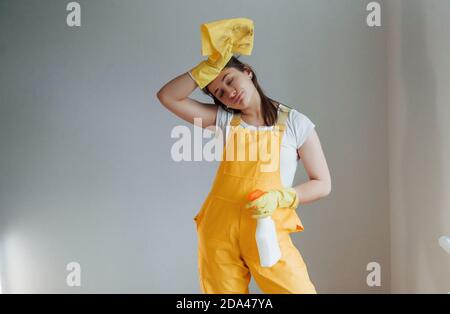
column 220, row 39
column 218, row 35
column 266, row 204
column 227, row 250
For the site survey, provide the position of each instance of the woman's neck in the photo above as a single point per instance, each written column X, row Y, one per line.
column 253, row 114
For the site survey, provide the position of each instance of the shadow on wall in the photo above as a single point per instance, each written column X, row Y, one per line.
column 422, row 158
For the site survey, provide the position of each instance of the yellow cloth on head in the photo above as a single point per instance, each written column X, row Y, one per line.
column 220, row 39
column 217, row 35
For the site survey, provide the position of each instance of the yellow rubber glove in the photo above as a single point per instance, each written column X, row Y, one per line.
column 267, row 203
column 206, row 71
column 220, row 39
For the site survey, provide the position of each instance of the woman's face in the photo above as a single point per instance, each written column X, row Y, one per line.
column 233, row 88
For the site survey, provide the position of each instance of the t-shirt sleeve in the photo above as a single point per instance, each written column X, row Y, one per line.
column 302, row 126
column 221, row 118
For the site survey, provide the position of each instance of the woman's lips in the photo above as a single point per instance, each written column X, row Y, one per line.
column 239, row 97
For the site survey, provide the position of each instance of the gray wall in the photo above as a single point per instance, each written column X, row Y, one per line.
column 86, row 172
column 419, row 145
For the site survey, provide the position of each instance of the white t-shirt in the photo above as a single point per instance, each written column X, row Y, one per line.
column 298, row 128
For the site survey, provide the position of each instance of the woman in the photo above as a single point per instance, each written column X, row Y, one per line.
column 226, row 223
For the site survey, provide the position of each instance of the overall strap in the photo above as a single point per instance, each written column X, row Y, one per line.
column 282, row 117
column 236, row 120
column 281, row 120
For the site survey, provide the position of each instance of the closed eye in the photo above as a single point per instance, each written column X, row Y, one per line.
column 229, row 82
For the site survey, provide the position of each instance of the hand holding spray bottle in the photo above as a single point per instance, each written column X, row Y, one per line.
column 266, row 237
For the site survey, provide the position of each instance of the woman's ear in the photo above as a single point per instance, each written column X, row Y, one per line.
column 249, row 73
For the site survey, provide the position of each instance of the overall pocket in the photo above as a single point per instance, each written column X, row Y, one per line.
column 241, row 169
column 241, row 154
column 287, row 220
column 200, row 215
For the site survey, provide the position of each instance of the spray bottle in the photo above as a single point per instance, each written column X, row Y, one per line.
column 266, row 237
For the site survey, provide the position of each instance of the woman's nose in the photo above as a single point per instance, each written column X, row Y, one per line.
column 232, row 93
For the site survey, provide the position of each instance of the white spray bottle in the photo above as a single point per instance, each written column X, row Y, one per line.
column 266, row 237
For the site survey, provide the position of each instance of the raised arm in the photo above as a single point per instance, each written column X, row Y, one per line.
column 174, row 96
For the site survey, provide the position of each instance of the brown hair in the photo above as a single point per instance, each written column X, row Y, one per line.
column 269, row 111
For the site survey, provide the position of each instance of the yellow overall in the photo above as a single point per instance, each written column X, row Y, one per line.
column 227, row 249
